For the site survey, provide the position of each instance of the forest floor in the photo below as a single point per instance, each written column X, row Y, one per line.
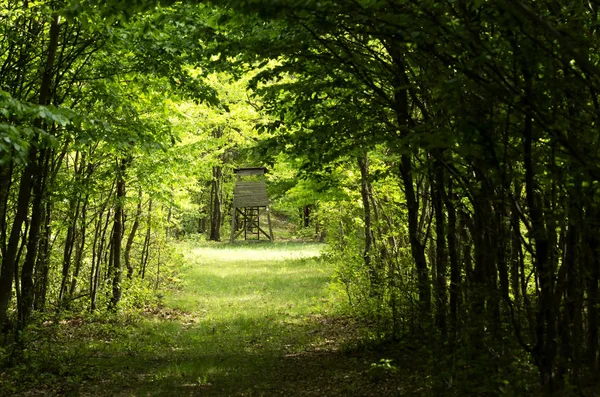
column 241, row 320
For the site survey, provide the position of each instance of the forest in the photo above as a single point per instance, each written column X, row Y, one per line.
column 445, row 153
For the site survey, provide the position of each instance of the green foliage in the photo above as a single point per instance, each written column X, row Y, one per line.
column 472, row 214
column 226, row 322
column 18, row 126
column 382, row 369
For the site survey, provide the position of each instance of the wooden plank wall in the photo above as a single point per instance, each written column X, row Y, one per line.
column 250, row 194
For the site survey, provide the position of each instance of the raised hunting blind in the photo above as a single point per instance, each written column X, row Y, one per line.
column 249, row 201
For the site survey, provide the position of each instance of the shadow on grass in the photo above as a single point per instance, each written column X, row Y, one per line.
column 252, row 282
column 236, row 328
column 196, row 361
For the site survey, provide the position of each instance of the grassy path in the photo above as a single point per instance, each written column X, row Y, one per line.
column 246, row 320
column 249, row 306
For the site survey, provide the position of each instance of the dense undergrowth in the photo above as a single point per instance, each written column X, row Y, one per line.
column 391, row 324
column 259, row 319
column 230, row 322
column 249, row 319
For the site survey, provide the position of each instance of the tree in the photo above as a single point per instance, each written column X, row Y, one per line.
column 474, row 98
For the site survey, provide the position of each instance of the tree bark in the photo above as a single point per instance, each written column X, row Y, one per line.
column 42, row 267
column 405, row 122
column 69, row 245
column 593, row 277
column 363, row 165
column 80, row 247
column 37, row 215
column 146, row 247
column 441, row 260
column 216, row 209
column 455, row 278
column 6, row 174
column 545, row 347
column 24, row 195
column 116, row 270
column 131, row 237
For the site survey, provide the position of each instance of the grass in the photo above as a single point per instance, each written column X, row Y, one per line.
column 254, row 319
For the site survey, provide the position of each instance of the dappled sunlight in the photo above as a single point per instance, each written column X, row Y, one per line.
column 245, row 354
column 256, row 252
column 225, row 330
column 280, row 279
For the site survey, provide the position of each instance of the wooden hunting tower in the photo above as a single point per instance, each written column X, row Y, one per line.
column 249, row 199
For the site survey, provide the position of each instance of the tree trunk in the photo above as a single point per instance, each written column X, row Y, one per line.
column 571, row 336
column 116, row 270
column 363, row 165
column 439, row 192
column 69, row 245
column 80, row 248
column 18, row 261
column 131, row 237
column 146, row 247
column 8, row 262
column 98, row 248
column 42, row 267
column 592, row 279
column 37, row 215
column 6, row 173
column 516, row 248
column 417, row 246
column 95, row 253
column 306, row 216
column 216, row 210
column 545, row 348
column 452, row 239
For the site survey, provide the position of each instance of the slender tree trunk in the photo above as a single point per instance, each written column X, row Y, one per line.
column 17, row 262
column 80, row 247
column 306, row 216
column 69, row 245
column 95, row 254
column 466, row 258
column 571, row 336
column 168, row 225
column 98, row 248
column 417, row 246
column 484, row 304
column 42, row 267
column 593, row 277
column 6, row 173
column 73, row 232
column 131, row 237
column 8, row 262
column 39, row 177
column 516, row 249
column 103, row 257
column 363, row 165
column 452, row 239
column 108, row 258
column 216, row 211
column 545, row 348
column 441, row 261
column 116, row 270
column 146, row 247
column 157, row 269
column 216, row 196
column 37, row 215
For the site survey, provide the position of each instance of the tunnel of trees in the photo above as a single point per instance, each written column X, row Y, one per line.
column 446, row 151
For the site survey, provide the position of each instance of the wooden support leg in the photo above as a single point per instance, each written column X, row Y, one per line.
column 269, row 220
